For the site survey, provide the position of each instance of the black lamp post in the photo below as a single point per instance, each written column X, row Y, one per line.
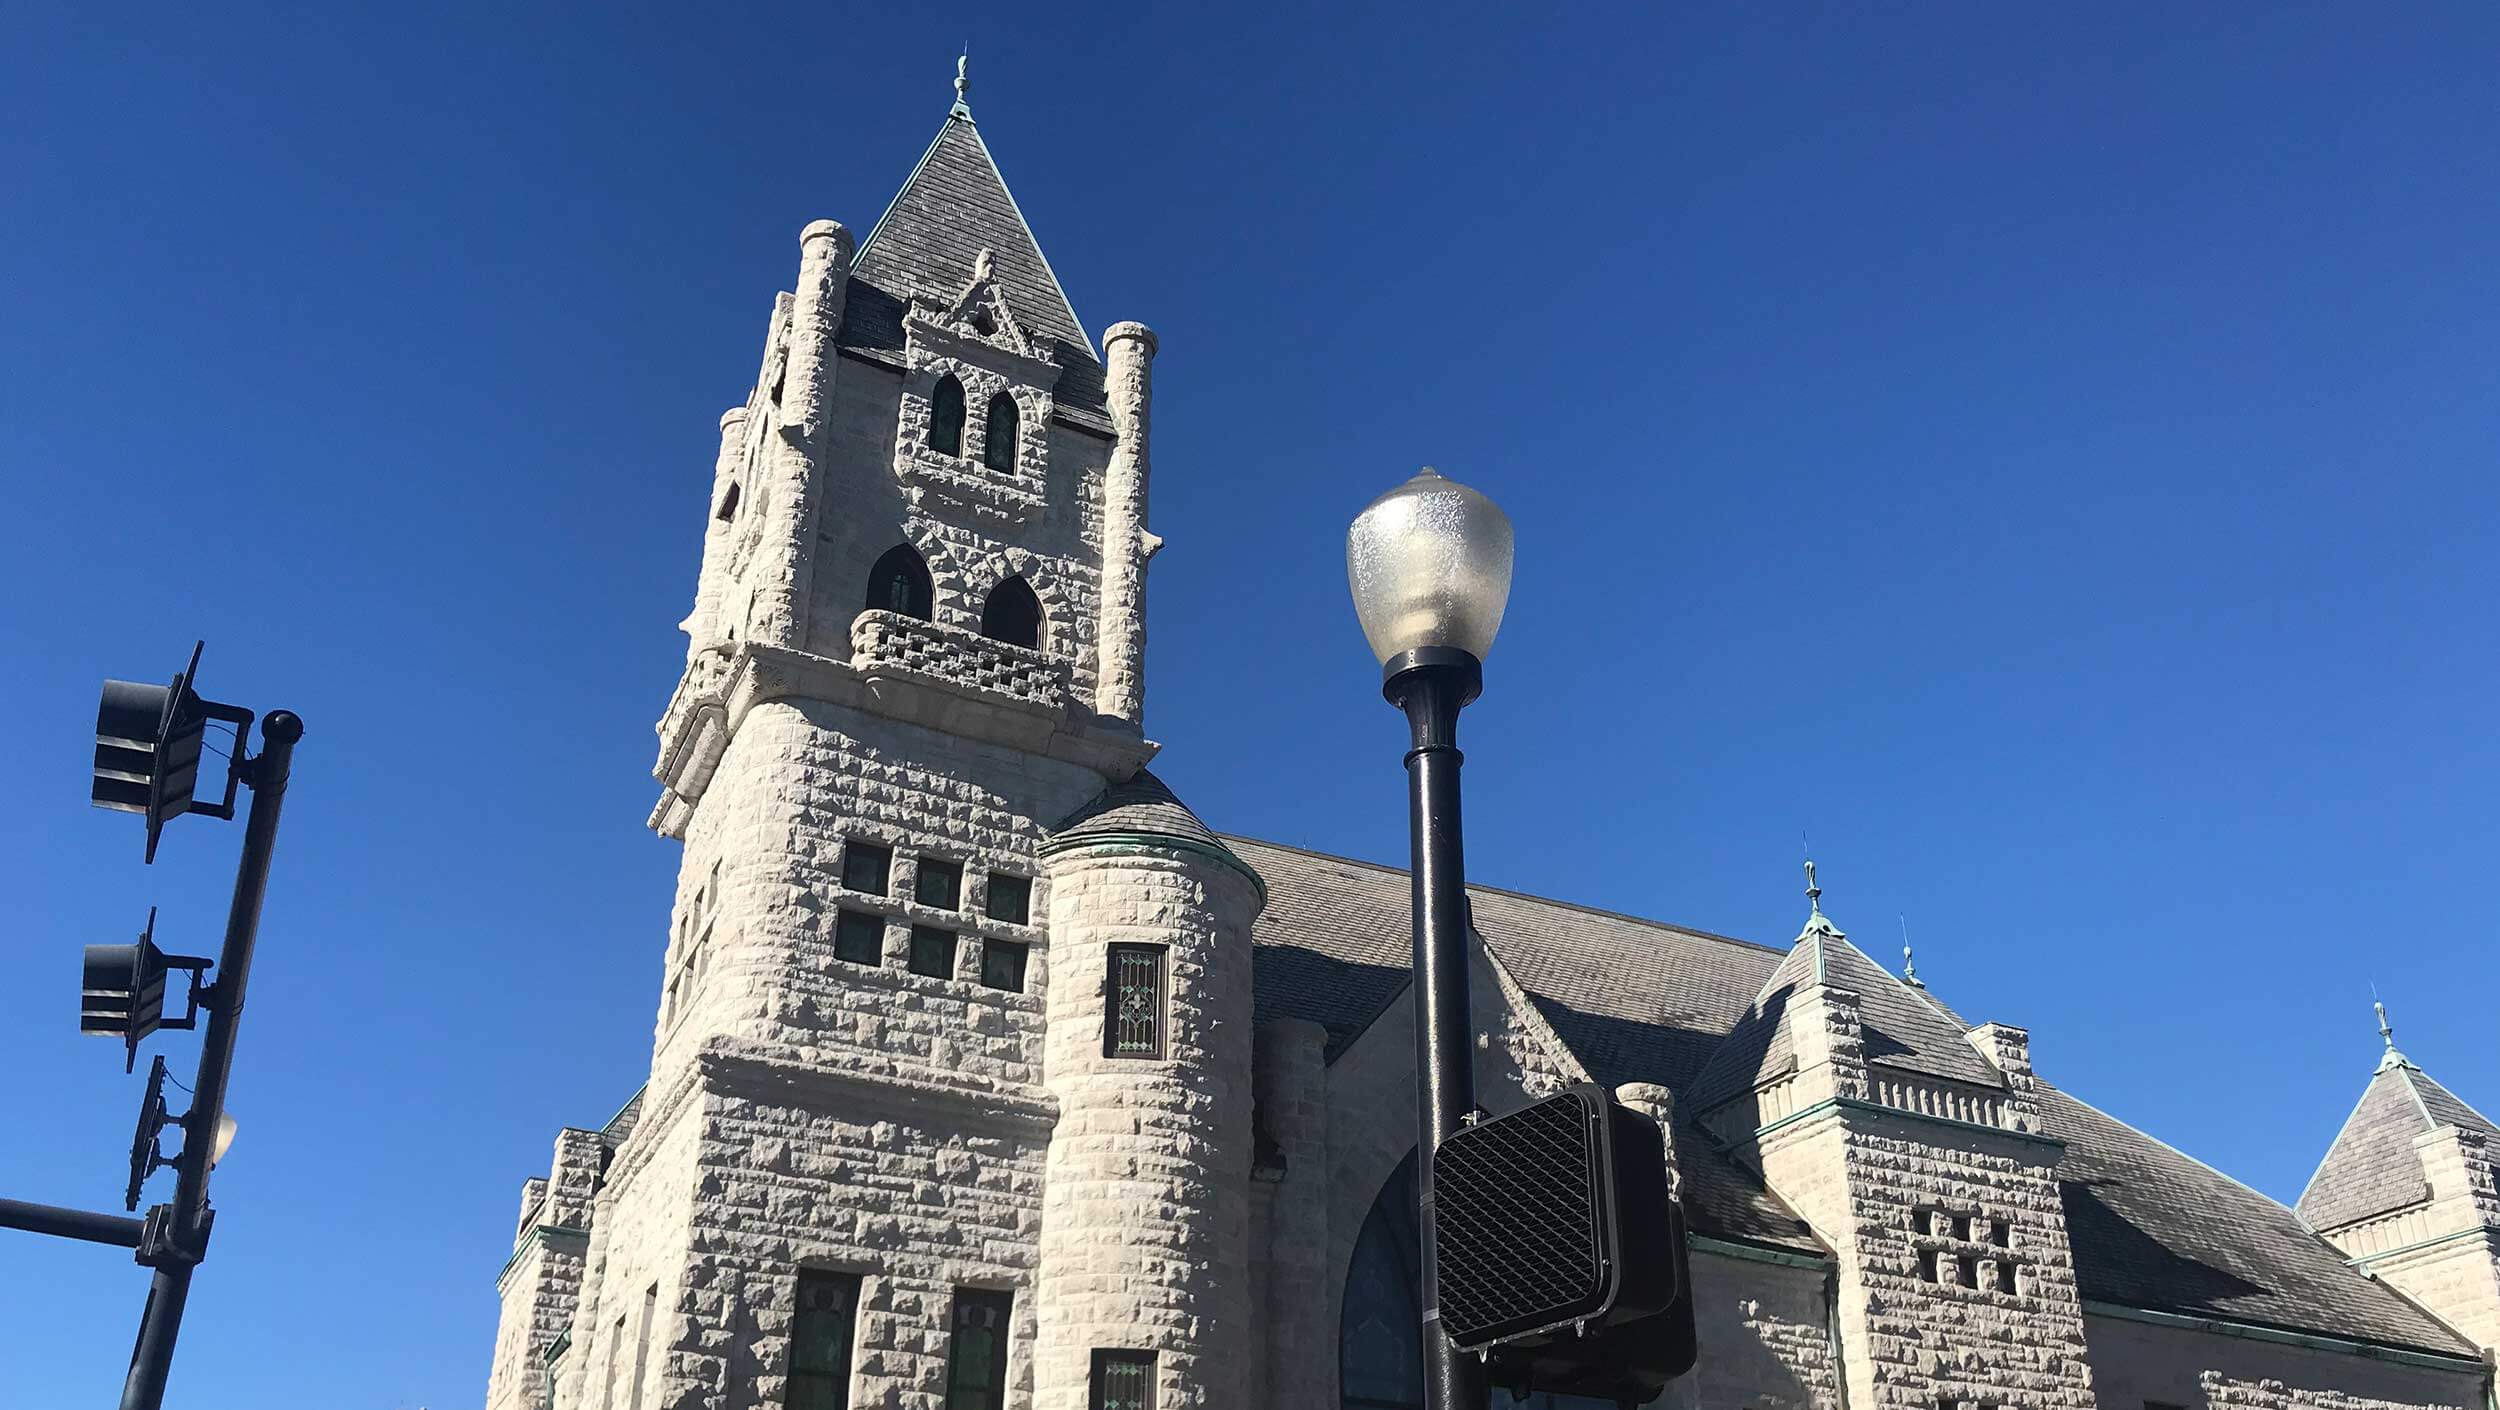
column 1429, row 564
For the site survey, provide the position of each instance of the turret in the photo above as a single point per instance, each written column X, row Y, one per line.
column 1144, row 1273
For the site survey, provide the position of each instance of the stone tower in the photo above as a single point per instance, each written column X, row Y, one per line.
column 869, row 1137
column 1913, row 1145
column 2410, row 1191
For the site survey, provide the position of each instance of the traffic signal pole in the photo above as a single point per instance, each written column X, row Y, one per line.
column 185, row 1229
column 1432, row 685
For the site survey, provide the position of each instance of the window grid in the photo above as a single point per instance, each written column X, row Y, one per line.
column 1135, row 1021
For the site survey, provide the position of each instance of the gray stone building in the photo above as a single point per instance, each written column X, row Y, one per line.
column 984, row 1075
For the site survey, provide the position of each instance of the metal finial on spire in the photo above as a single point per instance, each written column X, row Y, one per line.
column 1814, row 893
column 1909, row 962
column 963, row 82
column 2386, row 1031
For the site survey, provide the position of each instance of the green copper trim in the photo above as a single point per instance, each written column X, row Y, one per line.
column 536, row 1233
column 1751, row 1253
column 1137, row 843
column 1878, row 1108
column 2369, row 1258
column 2249, row 1331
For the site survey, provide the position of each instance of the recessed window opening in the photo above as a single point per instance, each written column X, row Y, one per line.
column 1961, row 1226
column 2005, row 1279
column 866, row 866
column 1013, row 614
column 946, row 416
column 1133, row 1015
column 998, row 441
column 821, row 1333
column 2000, row 1234
column 1927, row 1265
column 932, row 952
column 976, row 1359
column 1002, row 964
column 859, row 938
column 1969, row 1270
column 728, row 504
column 900, row 583
column 1010, row 899
column 940, row 884
column 1123, row 1380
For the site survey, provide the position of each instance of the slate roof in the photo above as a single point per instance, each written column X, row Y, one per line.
column 1636, row 1000
column 2371, row 1169
column 1905, row 1028
column 2153, row 1228
column 1142, row 804
column 954, row 205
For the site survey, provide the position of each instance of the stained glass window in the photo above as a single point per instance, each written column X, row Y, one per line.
column 1133, row 1025
column 1123, row 1380
column 820, row 1341
column 976, row 1363
column 946, row 417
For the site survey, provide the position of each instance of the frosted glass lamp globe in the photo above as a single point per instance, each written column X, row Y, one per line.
column 1429, row 566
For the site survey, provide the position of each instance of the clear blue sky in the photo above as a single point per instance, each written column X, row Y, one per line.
column 2049, row 455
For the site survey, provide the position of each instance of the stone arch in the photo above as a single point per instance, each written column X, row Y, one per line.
column 946, row 416
column 900, row 582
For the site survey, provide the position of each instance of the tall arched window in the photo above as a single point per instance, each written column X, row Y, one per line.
column 1013, row 614
column 998, row 444
column 946, row 416
column 900, row 583
column 1380, row 1343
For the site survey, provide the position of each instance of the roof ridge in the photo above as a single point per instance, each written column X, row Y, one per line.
column 1517, row 895
column 2445, row 1091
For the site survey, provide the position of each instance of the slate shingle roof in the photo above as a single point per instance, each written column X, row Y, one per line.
column 1142, row 804
column 1636, row 1000
column 954, row 206
column 2152, row 1228
column 2372, row 1169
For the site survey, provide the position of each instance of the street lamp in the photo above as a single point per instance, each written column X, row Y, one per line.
column 1429, row 565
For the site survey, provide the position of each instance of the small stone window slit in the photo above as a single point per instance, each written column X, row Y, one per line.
column 2005, row 1280
column 1969, row 1270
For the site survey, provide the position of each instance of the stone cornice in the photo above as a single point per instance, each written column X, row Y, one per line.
column 553, row 1235
column 751, row 1070
column 714, row 697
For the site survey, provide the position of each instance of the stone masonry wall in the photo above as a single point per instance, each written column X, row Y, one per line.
column 638, row 1246
column 1766, row 1337
column 538, row 1291
column 2135, row 1363
column 1144, row 1222
column 1292, row 1087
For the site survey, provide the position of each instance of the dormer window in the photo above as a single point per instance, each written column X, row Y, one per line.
column 1013, row 614
column 998, row 449
column 946, row 416
column 900, row 583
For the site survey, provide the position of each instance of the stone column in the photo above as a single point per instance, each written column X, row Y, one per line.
column 1129, row 349
column 1145, row 1204
column 783, row 568
column 703, row 625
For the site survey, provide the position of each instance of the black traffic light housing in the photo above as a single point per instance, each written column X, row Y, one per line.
column 122, row 991
column 147, row 749
column 1561, row 1250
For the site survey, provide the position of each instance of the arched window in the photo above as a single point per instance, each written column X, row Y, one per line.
column 900, row 583
column 1380, row 1344
column 1013, row 614
column 998, row 447
column 946, row 416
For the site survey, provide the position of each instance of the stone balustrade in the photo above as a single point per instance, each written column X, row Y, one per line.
column 890, row 641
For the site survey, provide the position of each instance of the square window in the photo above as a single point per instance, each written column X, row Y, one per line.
column 2005, row 1279
column 1010, row 898
column 933, row 952
column 1123, row 1380
column 1999, row 1234
column 1002, row 964
column 865, row 867
column 1927, row 1265
column 1961, row 1227
column 941, row 884
column 859, row 938
column 976, row 1358
column 1969, row 1271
